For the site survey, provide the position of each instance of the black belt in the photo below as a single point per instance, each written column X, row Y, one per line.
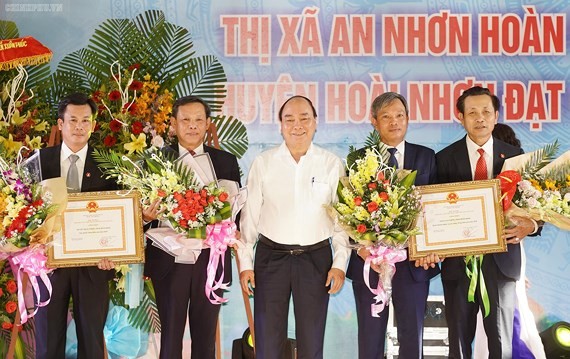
column 293, row 249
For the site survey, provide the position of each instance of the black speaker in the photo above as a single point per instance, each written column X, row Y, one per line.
column 556, row 340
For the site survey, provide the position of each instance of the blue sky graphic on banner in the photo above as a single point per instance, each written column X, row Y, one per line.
column 342, row 54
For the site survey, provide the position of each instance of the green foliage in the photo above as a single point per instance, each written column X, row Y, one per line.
column 165, row 52
column 541, row 158
column 145, row 316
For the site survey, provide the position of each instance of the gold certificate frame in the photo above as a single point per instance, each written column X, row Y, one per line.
column 97, row 225
column 459, row 219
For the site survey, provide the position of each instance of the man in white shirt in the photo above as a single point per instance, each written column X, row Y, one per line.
column 288, row 189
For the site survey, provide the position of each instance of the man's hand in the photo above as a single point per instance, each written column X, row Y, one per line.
column 151, row 212
column 335, row 279
column 429, row 261
column 364, row 253
column 106, row 264
column 522, row 228
column 245, row 278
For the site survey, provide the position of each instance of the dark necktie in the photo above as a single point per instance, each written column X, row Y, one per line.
column 481, row 167
column 73, row 175
column 192, row 153
column 392, row 161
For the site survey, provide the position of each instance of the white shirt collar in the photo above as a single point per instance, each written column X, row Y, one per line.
column 472, row 147
column 198, row 150
column 66, row 152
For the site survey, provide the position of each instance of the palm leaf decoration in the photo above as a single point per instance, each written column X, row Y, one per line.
column 163, row 50
column 373, row 139
column 541, row 158
column 145, row 316
column 232, row 134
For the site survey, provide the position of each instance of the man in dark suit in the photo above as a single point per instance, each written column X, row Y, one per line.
column 87, row 285
column 180, row 287
column 480, row 152
column 410, row 285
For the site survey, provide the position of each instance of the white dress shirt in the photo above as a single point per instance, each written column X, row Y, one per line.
column 399, row 154
column 472, row 148
column 64, row 161
column 287, row 202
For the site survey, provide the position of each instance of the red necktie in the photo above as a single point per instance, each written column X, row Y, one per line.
column 481, row 167
column 192, row 153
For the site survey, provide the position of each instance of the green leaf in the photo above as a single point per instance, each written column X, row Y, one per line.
column 541, row 158
column 206, row 82
column 372, row 139
column 8, row 30
column 145, row 316
column 232, row 134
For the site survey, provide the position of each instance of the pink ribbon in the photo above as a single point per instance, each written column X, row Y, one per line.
column 31, row 261
column 218, row 237
column 387, row 259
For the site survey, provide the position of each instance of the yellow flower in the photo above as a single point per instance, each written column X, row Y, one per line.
column 137, row 145
column 35, row 143
column 41, row 126
column 550, row 184
column 17, row 119
column 10, row 146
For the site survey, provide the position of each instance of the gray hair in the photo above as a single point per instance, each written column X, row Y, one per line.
column 385, row 99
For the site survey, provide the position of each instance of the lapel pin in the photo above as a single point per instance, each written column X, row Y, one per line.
column 502, row 155
column 88, row 174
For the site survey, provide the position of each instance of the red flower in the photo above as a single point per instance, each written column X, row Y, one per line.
column 132, row 108
column 361, row 228
column 114, row 95
column 383, row 196
column 223, row 196
column 136, row 86
column 357, row 201
column 372, row 206
column 372, row 185
column 7, row 325
column 115, row 125
column 161, row 193
column 11, row 287
column 11, row 307
column 134, row 66
column 1, row 292
column 380, row 176
column 137, row 127
column 110, row 141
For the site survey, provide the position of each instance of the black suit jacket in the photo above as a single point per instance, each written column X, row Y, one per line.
column 93, row 181
column 422, row 159
column 453, row 166
column 158, row 262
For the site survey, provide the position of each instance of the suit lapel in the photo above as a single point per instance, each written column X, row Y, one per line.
column 462, row 163
column 409, row 156
column 498, row 157
column 52, row 159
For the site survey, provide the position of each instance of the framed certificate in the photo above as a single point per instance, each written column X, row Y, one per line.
column 99, row 225
column 459, row 219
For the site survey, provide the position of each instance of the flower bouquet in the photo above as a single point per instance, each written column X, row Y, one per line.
column 29, row 213
column 537, row 185
column 378, row 206
column 198, row 215
column 133, row 112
